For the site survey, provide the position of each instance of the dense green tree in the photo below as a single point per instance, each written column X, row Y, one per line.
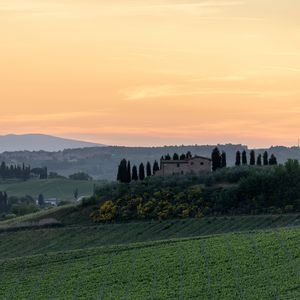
column 259, row 160
column 134, row 173
column 216, row 159
column 175, row 156
column 273, row 160
column 155, row 167
column 80, row 176
column 238, row 158
column 252, row 158
column 223, row 160
column 168, row 157
column 148, row 169
column 266, row 158
column 182, row 157
column 141, row 171
column 189, row 155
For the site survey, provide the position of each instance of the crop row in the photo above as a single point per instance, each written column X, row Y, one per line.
column 262, row 265
column 30, row 242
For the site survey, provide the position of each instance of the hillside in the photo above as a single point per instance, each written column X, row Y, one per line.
column 62, row 189
column 251, row 265
column 102, row 162
column 37, row 142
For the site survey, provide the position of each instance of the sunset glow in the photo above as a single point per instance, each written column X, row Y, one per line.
column 136, row 72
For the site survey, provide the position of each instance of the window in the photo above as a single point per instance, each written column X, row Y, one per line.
column 178, row 165
column 202, row 163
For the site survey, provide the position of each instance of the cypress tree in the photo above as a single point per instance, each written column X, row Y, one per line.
column 252, row 158
column 259, row 160
column 142, row 172
column 266, row 158
column 128, row 179
column 155, row 167
column 216, row 159
column 134, row 173
column 223, row 160
column 244, row 158
column 123, row 172
column 175, row 156
column 148, row 169
column 238, row 158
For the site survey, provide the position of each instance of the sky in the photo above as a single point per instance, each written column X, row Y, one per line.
column 159, row 72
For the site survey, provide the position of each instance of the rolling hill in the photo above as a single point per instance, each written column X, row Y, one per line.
column 102, row 162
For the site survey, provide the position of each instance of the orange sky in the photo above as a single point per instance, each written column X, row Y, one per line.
column 137, row 72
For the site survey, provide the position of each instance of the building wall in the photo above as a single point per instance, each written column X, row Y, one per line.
column 196, row 165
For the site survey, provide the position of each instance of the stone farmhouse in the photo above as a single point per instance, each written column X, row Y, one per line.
column 195, row 164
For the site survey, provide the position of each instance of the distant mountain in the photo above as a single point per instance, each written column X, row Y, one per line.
column 37, row 142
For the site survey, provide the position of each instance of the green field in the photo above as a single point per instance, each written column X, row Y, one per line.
column 62, row 189
column 38, row 241
column 229, row 257
column 260, row 265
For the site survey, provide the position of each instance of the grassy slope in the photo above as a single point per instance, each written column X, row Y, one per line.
column 29, row 242
column 261, row 265
column 62, row 189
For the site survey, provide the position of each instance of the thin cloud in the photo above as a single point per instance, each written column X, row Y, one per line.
column 220, row 78
column 163, row 91
column 30, row 118
column 279, row 68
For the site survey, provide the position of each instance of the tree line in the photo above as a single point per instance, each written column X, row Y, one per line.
column 126, row 174
column 261, row 160
column 255, row 190
column 219, row 159
column 14, row 171
column 10, row 171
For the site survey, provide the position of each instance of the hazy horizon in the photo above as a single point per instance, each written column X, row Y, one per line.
column 146, row 145
column 128, row 72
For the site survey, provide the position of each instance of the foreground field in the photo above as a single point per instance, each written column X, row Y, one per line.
column 261, row 265
column 38, row 241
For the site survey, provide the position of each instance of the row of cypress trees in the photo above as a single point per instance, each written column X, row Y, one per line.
column 14, row 171
column 126, row 174
column 262, row 159
column 219, row 159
